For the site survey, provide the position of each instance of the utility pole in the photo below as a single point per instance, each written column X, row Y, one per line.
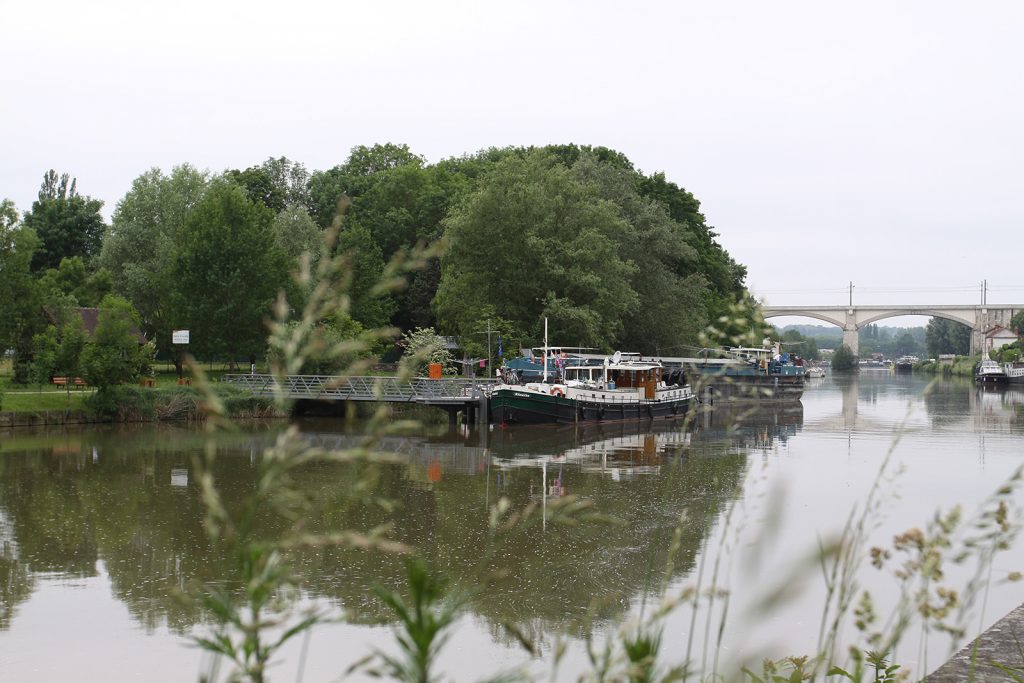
column 984, row 292
column 488, row 333
column 851, row 294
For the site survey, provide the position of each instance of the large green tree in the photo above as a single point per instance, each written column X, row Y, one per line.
column 228, row 268
column 66, row 223
column 668, row 283
column 18, row 292
column 534, row 241
column 947, row 336
column 139, row 247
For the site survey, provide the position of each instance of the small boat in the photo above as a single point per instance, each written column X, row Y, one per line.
column 905, row 363
column 990, row 372
column 617, row 389
column 814, row 371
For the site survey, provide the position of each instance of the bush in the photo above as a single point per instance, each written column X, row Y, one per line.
column 843, row 359
column 127, row 403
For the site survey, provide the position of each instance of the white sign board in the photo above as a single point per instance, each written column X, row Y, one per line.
column 179, row 337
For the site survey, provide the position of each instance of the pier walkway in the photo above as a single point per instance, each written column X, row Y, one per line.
column 451, row 394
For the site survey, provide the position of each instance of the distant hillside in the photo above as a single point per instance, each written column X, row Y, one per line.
column 815, row 331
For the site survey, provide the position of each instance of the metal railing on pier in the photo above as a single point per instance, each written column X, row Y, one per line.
column 446, row 391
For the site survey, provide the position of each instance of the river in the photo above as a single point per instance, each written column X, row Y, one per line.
column 101, row 531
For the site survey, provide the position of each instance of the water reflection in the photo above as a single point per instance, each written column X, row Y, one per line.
column 121, row 502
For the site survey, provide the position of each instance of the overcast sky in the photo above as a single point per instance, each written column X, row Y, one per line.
column 880, row 143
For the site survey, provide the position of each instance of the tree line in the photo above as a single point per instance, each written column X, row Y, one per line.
column 612, row 257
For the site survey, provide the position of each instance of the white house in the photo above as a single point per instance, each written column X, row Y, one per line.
column 998, row 336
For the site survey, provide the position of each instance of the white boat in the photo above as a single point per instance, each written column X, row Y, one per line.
column 815, row 371
column 1014, row 372
column 990, row 372
column 618, row 389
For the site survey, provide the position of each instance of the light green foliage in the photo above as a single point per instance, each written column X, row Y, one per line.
column 424, row 621
column 297, row 233
column 66, row 223
column 139, row 248
column 114, row 354
column 227, row 269
column 534, row 241
column 740, row 325
column 423, row 346
column 843, row 359
column 276, row 183
column 74, row 279
column 57, row 350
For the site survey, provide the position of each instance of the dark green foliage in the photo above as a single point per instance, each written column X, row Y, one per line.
column 66, row 223
column 534, row 241
column 114, row 354
column 1017, row 323
column 19, row 301
column 946, row 336
column 794, row 342
column 843, row 359
column 228, row 268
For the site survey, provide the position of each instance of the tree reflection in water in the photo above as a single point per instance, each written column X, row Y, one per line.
column 122, row 496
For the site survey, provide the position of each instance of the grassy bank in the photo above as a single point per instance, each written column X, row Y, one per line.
column 139, row 404
column 962, row 366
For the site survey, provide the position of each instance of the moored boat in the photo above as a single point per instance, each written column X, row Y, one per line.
column 748, row 374
column 617, row 389
column 1014, row 372
column 990, row 372
column 905, row 364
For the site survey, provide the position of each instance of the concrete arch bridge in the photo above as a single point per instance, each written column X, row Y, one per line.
column 980, row 317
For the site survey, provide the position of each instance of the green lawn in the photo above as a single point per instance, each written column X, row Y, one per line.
column 33, row 401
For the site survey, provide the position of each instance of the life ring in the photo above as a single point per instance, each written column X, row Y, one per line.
column 557, row 392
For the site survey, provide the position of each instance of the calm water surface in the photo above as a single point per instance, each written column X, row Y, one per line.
column 101, row 529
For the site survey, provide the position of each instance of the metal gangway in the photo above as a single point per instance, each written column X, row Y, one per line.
column 451, row 394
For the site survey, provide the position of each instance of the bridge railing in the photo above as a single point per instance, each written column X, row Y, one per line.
column 361, row 388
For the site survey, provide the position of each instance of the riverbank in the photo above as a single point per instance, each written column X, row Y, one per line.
column 999, row 645
column 962, row 366
column 128, row 404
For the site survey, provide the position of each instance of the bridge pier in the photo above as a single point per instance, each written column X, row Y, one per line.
column 851, row 338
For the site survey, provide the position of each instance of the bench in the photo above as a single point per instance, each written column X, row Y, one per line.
column 77, row 382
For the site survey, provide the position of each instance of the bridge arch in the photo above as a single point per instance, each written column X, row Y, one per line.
column 931, row 314
column 840, row 323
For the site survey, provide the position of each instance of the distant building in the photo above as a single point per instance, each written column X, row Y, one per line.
column 947, row 358
column 825, row 353
column 89, row 317
column 998, row 336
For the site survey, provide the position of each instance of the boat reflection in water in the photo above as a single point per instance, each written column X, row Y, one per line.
column 627, row 449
